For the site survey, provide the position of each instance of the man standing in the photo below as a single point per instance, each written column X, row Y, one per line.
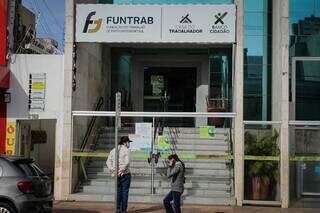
column 124, row 176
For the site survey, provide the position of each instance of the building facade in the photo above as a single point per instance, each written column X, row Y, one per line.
column 243, row 113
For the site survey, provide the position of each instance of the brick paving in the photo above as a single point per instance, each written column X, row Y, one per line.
column 90, row 207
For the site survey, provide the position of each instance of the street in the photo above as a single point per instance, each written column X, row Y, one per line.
column 87, row 207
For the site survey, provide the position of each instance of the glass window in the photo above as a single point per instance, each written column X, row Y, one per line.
column 304, row 27
column 173, row 1
column 166, row 1
column 27, row 169
column 257, row 59
column 220, row 90
column 307, row 90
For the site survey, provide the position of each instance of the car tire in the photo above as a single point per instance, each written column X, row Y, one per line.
column 6, row 208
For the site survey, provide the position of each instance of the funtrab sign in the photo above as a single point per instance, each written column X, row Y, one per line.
column 155, row 23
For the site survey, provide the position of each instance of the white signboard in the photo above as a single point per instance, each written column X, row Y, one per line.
column 37, row 92
column 155, row 23
column 141, row 140
column 201, row 23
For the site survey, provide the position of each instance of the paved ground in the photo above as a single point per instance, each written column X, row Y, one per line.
column 83, row 207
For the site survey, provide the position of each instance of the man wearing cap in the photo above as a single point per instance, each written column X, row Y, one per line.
column 124, row 177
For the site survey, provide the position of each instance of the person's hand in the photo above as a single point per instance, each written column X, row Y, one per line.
column 120, row 173
column 168, row 162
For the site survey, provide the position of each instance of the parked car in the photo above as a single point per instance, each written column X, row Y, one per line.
column 24, row 187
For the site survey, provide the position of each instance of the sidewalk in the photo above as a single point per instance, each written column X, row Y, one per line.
column 89, row 207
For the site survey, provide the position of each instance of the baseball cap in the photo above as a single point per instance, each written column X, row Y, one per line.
column 125, row 139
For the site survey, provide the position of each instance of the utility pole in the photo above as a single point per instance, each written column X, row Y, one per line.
column 117, row 125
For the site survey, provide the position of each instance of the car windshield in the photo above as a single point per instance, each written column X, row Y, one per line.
column 38, row 170
column 29, row 169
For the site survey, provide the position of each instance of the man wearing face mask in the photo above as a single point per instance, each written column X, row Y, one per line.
column 124, row 176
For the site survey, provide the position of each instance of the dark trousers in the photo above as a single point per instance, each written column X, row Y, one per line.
column 176, row 198
column 123, row 192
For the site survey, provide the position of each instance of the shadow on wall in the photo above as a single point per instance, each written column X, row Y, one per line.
column 18, row 107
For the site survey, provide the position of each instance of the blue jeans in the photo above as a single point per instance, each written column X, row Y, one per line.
column 123, row 192
column 176, row 198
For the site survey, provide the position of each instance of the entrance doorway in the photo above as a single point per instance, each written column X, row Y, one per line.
column 170, row 89
column 178, row 73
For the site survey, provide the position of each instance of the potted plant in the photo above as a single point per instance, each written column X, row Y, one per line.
column 264, row 174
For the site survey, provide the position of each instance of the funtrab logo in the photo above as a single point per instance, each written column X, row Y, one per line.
column 96, row 22
column 219, row 26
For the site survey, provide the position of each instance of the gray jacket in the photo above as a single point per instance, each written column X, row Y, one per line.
column 176, row 173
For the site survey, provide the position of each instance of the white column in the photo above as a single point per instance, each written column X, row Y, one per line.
column 280, row 88
column 284, row 49
column 238, row 106
column 63, row 161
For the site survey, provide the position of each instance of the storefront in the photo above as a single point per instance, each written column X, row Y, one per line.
column 211, row 78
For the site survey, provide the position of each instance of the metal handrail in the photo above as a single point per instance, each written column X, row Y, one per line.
column 156, row 114
column 261, row 122
column 91, row 125
column 304, row 123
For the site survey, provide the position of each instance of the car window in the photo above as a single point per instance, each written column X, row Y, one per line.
column 38, row 170
column 27, row 169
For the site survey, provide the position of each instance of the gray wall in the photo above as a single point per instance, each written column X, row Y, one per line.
column 43, row 154
column 92, row 77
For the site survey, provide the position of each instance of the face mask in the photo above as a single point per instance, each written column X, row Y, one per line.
column 128, row 145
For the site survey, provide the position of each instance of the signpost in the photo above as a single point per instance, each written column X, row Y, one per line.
column 117, row 125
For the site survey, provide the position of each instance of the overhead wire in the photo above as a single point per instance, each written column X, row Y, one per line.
column 38, row 22
column 56, row 22
column 50, row 26
column 52, row 15
column 47, row 24
column 43, row 20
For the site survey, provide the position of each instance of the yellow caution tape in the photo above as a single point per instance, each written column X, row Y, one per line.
column 305, row 158
column 145, row 155
column 261, row 158
column 215, row 157
column 90, row 154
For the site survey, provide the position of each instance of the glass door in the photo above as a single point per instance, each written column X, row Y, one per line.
column 305, row 103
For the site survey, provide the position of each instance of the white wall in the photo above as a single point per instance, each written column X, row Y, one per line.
column 52, row 117
column 25, row 64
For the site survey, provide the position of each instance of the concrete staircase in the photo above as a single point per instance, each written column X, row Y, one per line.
column 207, row 181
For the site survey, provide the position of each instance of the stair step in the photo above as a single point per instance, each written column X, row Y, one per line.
column 192, row 130
column 144, row 164
column 194, row 143
column 110, row 136
column 146, row 183
column 157, row 175
column 194, row 178
column 207, row 181
column 160, row 191
column 166, row 129
column 189, row 199
column 161, row 170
